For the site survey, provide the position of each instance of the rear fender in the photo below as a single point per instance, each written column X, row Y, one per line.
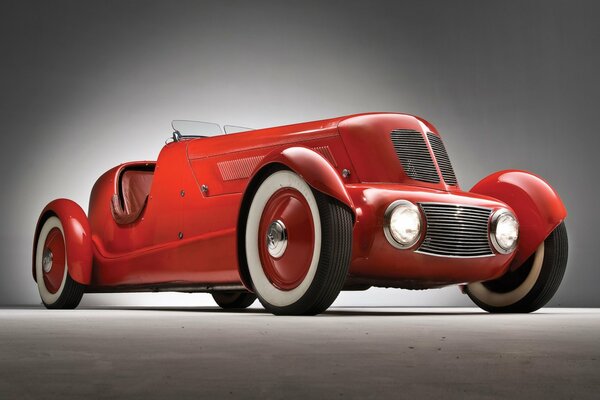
column 537, row 205
column 78, row 238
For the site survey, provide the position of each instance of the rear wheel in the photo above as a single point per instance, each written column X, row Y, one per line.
column 56, row 287
column 233, row 300
column 532, row 285
column 298, row 244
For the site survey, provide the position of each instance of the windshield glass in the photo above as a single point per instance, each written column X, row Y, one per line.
column 235, row 129
column 196, row 128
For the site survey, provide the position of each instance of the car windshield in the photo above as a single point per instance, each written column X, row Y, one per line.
column 196, row 128
column 235, row 129
column 204, row 129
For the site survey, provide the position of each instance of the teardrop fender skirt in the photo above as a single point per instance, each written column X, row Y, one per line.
column 538, row 207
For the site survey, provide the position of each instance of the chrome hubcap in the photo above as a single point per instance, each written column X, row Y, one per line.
column 47, row 260
column 276, row 239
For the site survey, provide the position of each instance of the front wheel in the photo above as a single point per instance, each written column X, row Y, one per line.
column 532, row 285
column 57, row 288
column 298, row 244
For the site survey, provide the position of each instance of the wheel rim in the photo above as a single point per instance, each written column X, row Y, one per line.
column 53, row 260
column 286, row 239
column 51, row 265
column 265, row 289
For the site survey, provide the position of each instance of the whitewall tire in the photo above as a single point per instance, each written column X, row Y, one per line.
column 297, row 244
column 530, row 286
column 56, row 287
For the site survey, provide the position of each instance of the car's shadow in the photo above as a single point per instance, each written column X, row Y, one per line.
column 336, row 311
column 404, row 312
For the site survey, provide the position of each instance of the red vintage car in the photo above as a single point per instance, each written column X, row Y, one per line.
column 295, row 214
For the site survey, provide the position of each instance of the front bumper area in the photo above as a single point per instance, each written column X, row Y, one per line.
column 376, row 262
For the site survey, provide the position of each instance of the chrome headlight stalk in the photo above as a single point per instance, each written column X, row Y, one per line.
column 504, row 231
column 402, row 224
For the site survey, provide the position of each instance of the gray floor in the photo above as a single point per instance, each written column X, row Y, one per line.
column 345, row 353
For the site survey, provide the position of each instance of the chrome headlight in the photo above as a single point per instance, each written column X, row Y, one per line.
column 504, row 231
column 402, row 224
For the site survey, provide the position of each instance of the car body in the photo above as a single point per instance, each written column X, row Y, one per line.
column 180, row 223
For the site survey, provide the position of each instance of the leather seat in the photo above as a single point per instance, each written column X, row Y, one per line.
column 134, row 185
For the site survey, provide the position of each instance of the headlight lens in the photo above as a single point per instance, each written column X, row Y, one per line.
column 402, row 225
column 504, row 231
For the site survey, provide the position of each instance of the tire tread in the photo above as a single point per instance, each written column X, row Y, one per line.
column 70, row 296
column 334, row 260
column 336, row 250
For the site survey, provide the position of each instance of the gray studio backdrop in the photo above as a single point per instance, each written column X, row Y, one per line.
column 85, row 85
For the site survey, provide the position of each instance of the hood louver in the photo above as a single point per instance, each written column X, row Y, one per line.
column 413, row 153
column 441, row 156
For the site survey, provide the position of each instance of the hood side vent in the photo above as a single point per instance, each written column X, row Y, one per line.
column 442, row 159
column 413, row 153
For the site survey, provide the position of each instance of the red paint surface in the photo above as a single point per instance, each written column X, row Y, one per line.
column 374, row 258
column 536, row 204
column 150, row 251
column 290, row 207
column 77, row 238
column 55, row 244
column 314, row 169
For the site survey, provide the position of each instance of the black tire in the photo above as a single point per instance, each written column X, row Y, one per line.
column 536, row 291
column 334, row 255
column 234, row 300
column 67, row 294
column 69, row 298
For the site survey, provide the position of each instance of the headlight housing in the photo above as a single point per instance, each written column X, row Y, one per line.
column 504, row 231
column 402, row 224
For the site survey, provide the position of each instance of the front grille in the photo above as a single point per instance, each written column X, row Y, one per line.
column 455, row 230
column 442, row 159
column 414, row 155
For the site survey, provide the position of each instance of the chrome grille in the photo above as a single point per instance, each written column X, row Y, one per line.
column 414, row 155
column 441, row 156
column 456, row 230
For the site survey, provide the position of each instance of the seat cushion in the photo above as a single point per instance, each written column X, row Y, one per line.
column 134, row 190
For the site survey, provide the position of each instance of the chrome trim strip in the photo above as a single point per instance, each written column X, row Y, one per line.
column 437, row 203
column 456, row 230
column 453, row 256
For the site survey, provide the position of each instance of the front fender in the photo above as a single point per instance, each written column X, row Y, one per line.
column 314, row 169
column 78, row 238
column 537, row 205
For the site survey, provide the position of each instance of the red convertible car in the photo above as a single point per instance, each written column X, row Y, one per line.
column 295, row 214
